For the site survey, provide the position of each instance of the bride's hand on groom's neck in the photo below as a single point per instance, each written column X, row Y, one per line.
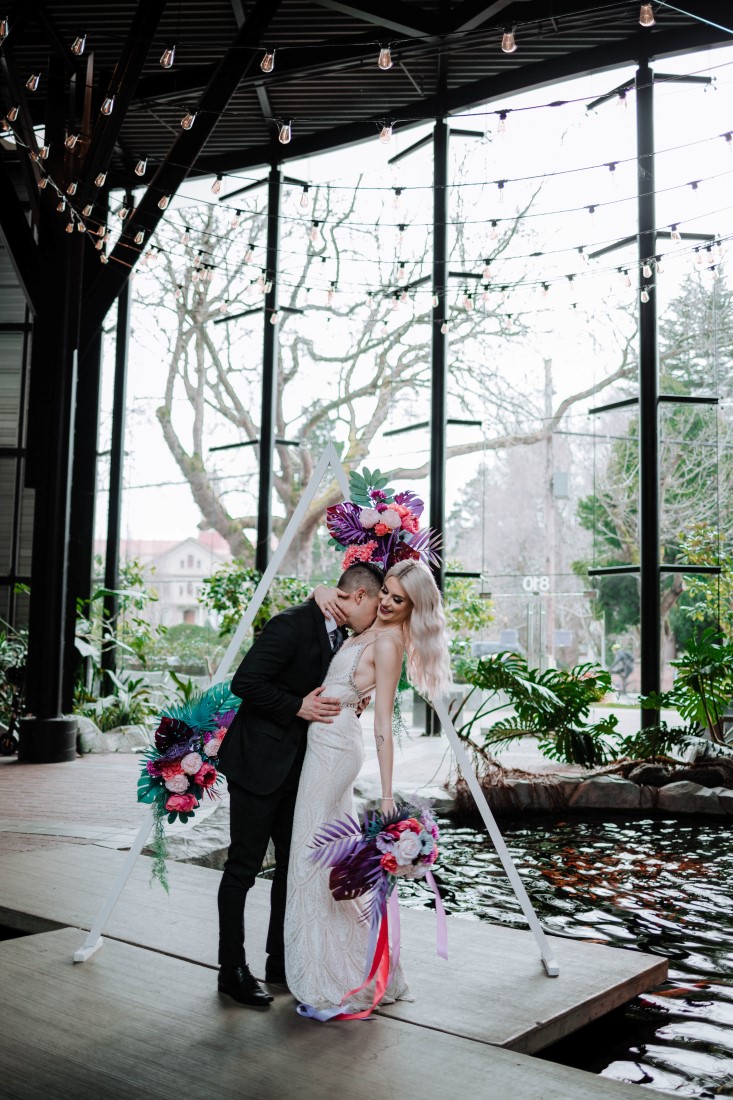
column 330, row 601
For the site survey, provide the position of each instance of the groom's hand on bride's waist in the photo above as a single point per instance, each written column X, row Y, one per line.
column 317, row 707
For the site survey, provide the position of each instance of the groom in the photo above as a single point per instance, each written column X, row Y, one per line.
column 262, row 757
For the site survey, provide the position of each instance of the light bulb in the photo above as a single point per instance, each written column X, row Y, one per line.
column 102, row 231
column 486, row 274
column 104, row 258
column 4, row 28
column 108, row 106
column 249, row 254
column 658, row 264
column 493, row 232
column 13, row 114
column 99, row 245
column 304, row 200
column 71, row 140
column 627, row 279
column 188, row 120
column 123, row 212
column 396, row 201
column 644, row 295
column 179, row 292
column 695, row 184
column 285, row 133
column 168, row 57
column 216, row 185
column 32, row 82
column 61, row 205
column 728, row 139
column 435, row 301
column 274, row 317
column 444, row 327
column 224, row 307
column 508, row 45
column 385, row 58
column 78, row 45
column 500, row 185
column 501, row 128
column 395, row 302
column 646, row 16
column 43, row 183
column 70, row 227
column 545, row 289
column 267, row 64
column 401, row 234
column 87, row 211
column 141, row 167
column 329, row 296
column 403, row 296
column 314, row 232
column 163, row 202
column 402, row 273
column 675, row 234
column 485, row 294
column 100, row 179
column 266, row 288
column 195, row 277
column 646, row 271
column 235, row 219
column 71, row 189
column 139, row 237
column 81, row 227
column 385, row 134
column 467, row 302
column 44, row 151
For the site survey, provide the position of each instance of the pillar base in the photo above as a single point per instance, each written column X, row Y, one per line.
column 47, row 740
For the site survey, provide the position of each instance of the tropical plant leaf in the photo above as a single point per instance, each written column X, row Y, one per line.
column 427, row 543
column 344, row 523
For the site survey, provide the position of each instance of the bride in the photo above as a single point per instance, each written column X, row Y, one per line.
column 326, row 942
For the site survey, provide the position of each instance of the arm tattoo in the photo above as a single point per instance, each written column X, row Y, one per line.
column 380, row 741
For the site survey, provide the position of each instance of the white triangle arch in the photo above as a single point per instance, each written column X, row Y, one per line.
column 330, row 460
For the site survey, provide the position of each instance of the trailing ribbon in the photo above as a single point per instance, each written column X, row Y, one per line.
column 394, row 914
column 379, row 969
column 442, row 925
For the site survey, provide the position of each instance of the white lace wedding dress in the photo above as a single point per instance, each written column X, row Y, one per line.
column 325, row 941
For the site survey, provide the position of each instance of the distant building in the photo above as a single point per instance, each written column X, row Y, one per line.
column 176, row 571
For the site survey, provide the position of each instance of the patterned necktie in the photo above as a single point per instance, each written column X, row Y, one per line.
column 337, row 640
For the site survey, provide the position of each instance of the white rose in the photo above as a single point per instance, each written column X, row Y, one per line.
column 191, row 763
column 212, row 747
column 407, row 847
column 368, row 517
column 390, row 519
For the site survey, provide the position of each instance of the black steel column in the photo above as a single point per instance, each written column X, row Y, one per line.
column 650, row 624
column 116, row 467
column 269, row 375
column 438, row 386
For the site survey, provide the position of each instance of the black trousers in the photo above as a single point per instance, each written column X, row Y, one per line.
column 256, row 819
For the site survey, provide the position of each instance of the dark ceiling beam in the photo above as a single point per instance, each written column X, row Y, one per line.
column 181, row 157
column 474, row 13
column 58, row 45
column 239, row 13
column 518, row 78
column 122, row 86
column 391, row 15
column 18, row 238
column 264, row 101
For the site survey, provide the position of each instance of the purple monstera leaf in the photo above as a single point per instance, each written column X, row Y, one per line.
column 410, row 500
column 344, row 524
column 171, row 731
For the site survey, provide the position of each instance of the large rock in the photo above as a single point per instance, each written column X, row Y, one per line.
column 725, row 798
column 606, row 792
column 121, row 739
column 690, row 798
column 651, row 775
column 707, row 776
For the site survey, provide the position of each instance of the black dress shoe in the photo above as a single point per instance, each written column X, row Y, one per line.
column 243, row 987
column 275, row 972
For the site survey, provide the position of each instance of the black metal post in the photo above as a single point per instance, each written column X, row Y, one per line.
column 269, row 374
column 438, row 382
column 650, row 599
column 116, row 468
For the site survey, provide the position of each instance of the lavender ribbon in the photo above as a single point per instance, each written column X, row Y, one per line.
column 393, row 907
column 442, row 926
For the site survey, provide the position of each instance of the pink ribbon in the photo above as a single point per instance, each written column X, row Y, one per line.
column 393, row 907
column 442, row 925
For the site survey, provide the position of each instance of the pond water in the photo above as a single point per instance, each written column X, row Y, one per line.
column 660, row 886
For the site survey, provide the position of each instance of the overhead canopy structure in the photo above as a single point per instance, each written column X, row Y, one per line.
column 85, row 99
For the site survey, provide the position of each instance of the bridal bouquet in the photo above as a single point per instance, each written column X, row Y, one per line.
column 370, row 857
column 181, row 765
column 379, row 525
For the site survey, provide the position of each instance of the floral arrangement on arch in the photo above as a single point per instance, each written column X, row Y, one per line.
column 181, row 766
column 379, row 525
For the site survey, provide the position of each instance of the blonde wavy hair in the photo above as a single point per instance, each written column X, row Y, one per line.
column 426, row 642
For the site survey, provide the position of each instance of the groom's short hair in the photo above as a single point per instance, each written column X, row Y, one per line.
column 362, row 574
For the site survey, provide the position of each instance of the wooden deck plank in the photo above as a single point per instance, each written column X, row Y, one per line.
column 132, row 1024
column 493, row 989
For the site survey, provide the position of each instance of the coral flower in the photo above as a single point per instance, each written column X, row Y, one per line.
column 358, row 553
column 389, row 863
column 381, row 529
column 181, row 803
column 205, row 776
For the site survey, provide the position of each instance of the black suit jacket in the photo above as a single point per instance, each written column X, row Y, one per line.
column 287, row 661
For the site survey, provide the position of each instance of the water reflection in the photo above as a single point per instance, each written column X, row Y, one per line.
column 665, row 887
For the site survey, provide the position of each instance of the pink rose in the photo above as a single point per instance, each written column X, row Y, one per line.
column 368, row 517
column 407, row 847
column 191, row 763
column 431, row 858
column 410, row 523
column 381, row 529
column 212, row 746
column 391, row 519
column 177, row 784
column 206, row 776
column 182, row 803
